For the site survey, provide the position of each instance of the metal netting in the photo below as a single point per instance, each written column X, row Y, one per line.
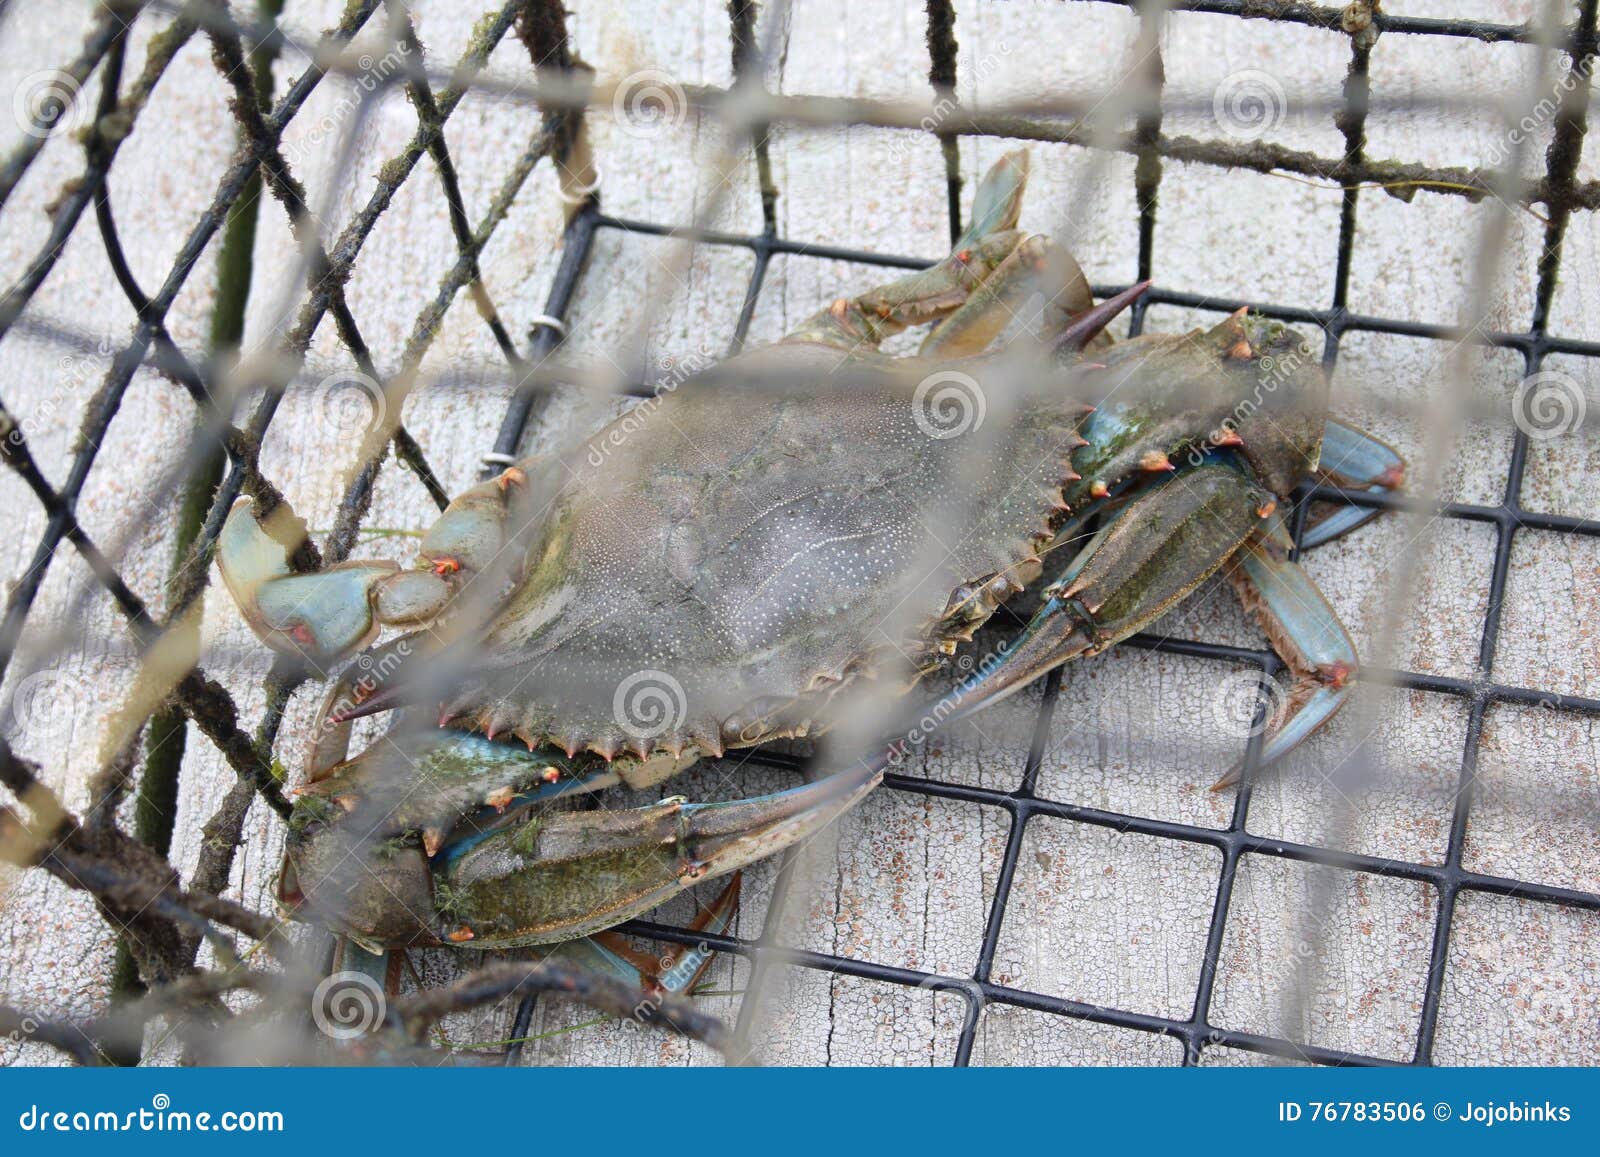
column 243, row 50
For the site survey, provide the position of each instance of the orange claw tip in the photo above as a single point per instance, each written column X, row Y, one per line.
column 549, row 774
column 510, row 477
column 446, row 565
column 1098, row 489
column 1266, row 508
column 1335, row 674
column 461, row 935
column 1393, row 478
column 1226, row 436
column 1155, row 462
column 499, row 798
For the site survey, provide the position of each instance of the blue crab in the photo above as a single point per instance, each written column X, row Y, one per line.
column 720, row 573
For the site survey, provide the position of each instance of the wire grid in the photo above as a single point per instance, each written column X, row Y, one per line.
column 211, row 710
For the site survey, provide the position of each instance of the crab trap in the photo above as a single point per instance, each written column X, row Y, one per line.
column 365, row 260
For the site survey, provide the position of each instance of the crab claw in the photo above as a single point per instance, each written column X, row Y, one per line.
column 322, row 615
column 575, row 873
column 1088, row 324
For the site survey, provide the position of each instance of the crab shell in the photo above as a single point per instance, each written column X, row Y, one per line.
column 711, row 573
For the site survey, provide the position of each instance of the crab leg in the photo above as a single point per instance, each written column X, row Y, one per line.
column 1037, row 265
column 577, row 873
column 331, row 613
column 1304, row 631
column 1156, row 551
column 318, row 615
column 990, row 240
column 677, row 970
column 1356, row 460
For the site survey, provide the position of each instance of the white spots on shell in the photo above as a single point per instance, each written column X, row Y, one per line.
column 744, row 549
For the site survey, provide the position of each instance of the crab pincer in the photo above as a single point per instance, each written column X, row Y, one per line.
column 732, row 563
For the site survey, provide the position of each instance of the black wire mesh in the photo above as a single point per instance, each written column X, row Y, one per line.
column 211, row 710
